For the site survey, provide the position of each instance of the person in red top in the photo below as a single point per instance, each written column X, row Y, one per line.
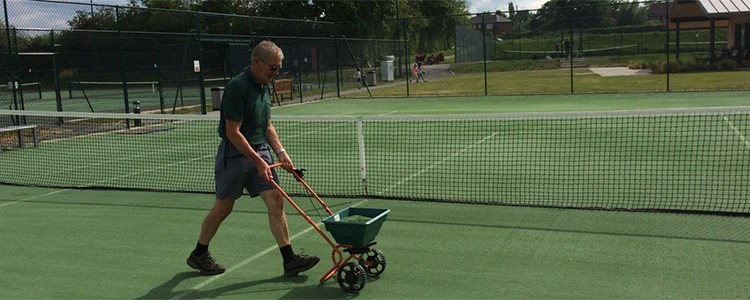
column 414, row 70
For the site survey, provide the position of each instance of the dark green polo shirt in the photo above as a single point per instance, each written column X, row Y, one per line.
column 248, row 102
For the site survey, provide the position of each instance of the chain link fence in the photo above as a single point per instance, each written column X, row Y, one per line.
column 101, row 58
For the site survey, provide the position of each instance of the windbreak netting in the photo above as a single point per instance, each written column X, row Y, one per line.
column 683, row 160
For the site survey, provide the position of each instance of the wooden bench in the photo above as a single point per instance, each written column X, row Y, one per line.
column 19, row 130
column 283, row 89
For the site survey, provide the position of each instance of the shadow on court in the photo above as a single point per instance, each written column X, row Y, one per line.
column 167, row 290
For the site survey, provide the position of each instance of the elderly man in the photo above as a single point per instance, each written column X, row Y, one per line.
column 243, row 160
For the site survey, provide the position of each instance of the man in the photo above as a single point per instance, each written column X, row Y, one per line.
column 243, row 160
column 358, row 76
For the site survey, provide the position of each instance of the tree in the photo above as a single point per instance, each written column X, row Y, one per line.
column 577, row 14
column 630, row 13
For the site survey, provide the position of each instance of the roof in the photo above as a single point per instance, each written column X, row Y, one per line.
column 492, row 18
column 656, row 9
column 723, row 8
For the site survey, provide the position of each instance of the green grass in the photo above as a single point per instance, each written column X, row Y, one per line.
column 648, row 42
column 558, row 81
column 504, row 104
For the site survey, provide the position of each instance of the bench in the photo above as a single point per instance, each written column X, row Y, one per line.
column 283, row 89
column 19, row 130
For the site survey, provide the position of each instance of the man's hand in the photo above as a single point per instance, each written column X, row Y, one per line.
column 264, row 171
column 286, row 161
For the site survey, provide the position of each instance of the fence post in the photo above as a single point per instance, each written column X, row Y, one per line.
column 123, row 76
column 201, row 87
column 484, row 52
column 55, row 76
column 666, row 44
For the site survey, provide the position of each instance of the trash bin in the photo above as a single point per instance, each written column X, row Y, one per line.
column 216, row 94
column 386, row 68
column 371, row 78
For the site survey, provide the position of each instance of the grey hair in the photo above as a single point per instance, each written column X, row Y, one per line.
column 266, row 50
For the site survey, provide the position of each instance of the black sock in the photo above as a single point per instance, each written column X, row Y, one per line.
column 200, row 249
column 287, row 253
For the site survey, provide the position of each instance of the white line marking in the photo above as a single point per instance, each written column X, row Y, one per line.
column 439, row 162
column 311, row 131
column 388, row 113
column 737, row 131
column 34, row 197
column 247, row 261
column 235, row 267
column 135, row 156
column 146, row 170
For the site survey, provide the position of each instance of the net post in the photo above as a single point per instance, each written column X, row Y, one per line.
column 362, row 161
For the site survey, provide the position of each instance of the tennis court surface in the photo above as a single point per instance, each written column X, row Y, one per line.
column 126, row 244
column 109, row 205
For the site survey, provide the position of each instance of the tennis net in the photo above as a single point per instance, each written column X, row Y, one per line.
column 694, row 160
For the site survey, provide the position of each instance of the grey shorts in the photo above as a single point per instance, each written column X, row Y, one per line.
column 233, row 172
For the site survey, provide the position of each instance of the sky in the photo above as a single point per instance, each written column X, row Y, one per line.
column 476, row 6
column 26, row 14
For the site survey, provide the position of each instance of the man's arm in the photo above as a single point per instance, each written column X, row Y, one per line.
column 241, row 144
column 273, row 141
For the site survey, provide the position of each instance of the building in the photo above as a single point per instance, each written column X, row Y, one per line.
column 657, row 12
column 495, row 25
column 731, row 14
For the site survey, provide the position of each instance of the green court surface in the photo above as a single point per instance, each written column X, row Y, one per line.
column 103, row 243
column 96, row 244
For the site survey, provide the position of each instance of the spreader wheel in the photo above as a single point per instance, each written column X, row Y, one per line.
column 352, row 277
column 373, row 262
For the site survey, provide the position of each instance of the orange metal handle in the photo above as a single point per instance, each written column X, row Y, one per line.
column 308, row 188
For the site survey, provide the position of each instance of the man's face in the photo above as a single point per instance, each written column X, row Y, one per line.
column 266, row 70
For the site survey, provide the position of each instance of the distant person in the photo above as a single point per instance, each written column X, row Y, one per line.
column 414, row 70
column 243, row 158
column 358, row 76
column 420, row 73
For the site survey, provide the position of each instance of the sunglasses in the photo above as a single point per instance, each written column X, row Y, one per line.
column 272, row 67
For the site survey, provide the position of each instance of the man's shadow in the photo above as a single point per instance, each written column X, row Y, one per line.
column 167, row 290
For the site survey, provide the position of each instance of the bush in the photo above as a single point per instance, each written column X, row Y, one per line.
column 726, row 65
column 67, row 74
column 681, row 66
column 638, row 64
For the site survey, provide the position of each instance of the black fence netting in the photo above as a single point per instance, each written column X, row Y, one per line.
column 105, row 58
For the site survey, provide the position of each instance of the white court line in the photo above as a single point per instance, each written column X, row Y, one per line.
column 330, row 127
column 148, row 170
column 34, row 197
column 388, row 113
column 737, row 131
column 440, row 162
column 247, row 261
column 132, row 156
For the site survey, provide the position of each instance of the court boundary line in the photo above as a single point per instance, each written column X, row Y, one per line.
column 34, row 197
column 440, row 162
column 737, row 131
column 247, row 261
column 135, row 156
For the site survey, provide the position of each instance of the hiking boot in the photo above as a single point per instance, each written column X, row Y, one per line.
column 205, row 264
column 299, row 263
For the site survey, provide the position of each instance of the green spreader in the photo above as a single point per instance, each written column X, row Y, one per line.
column 356, row 226
column 354, row 230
